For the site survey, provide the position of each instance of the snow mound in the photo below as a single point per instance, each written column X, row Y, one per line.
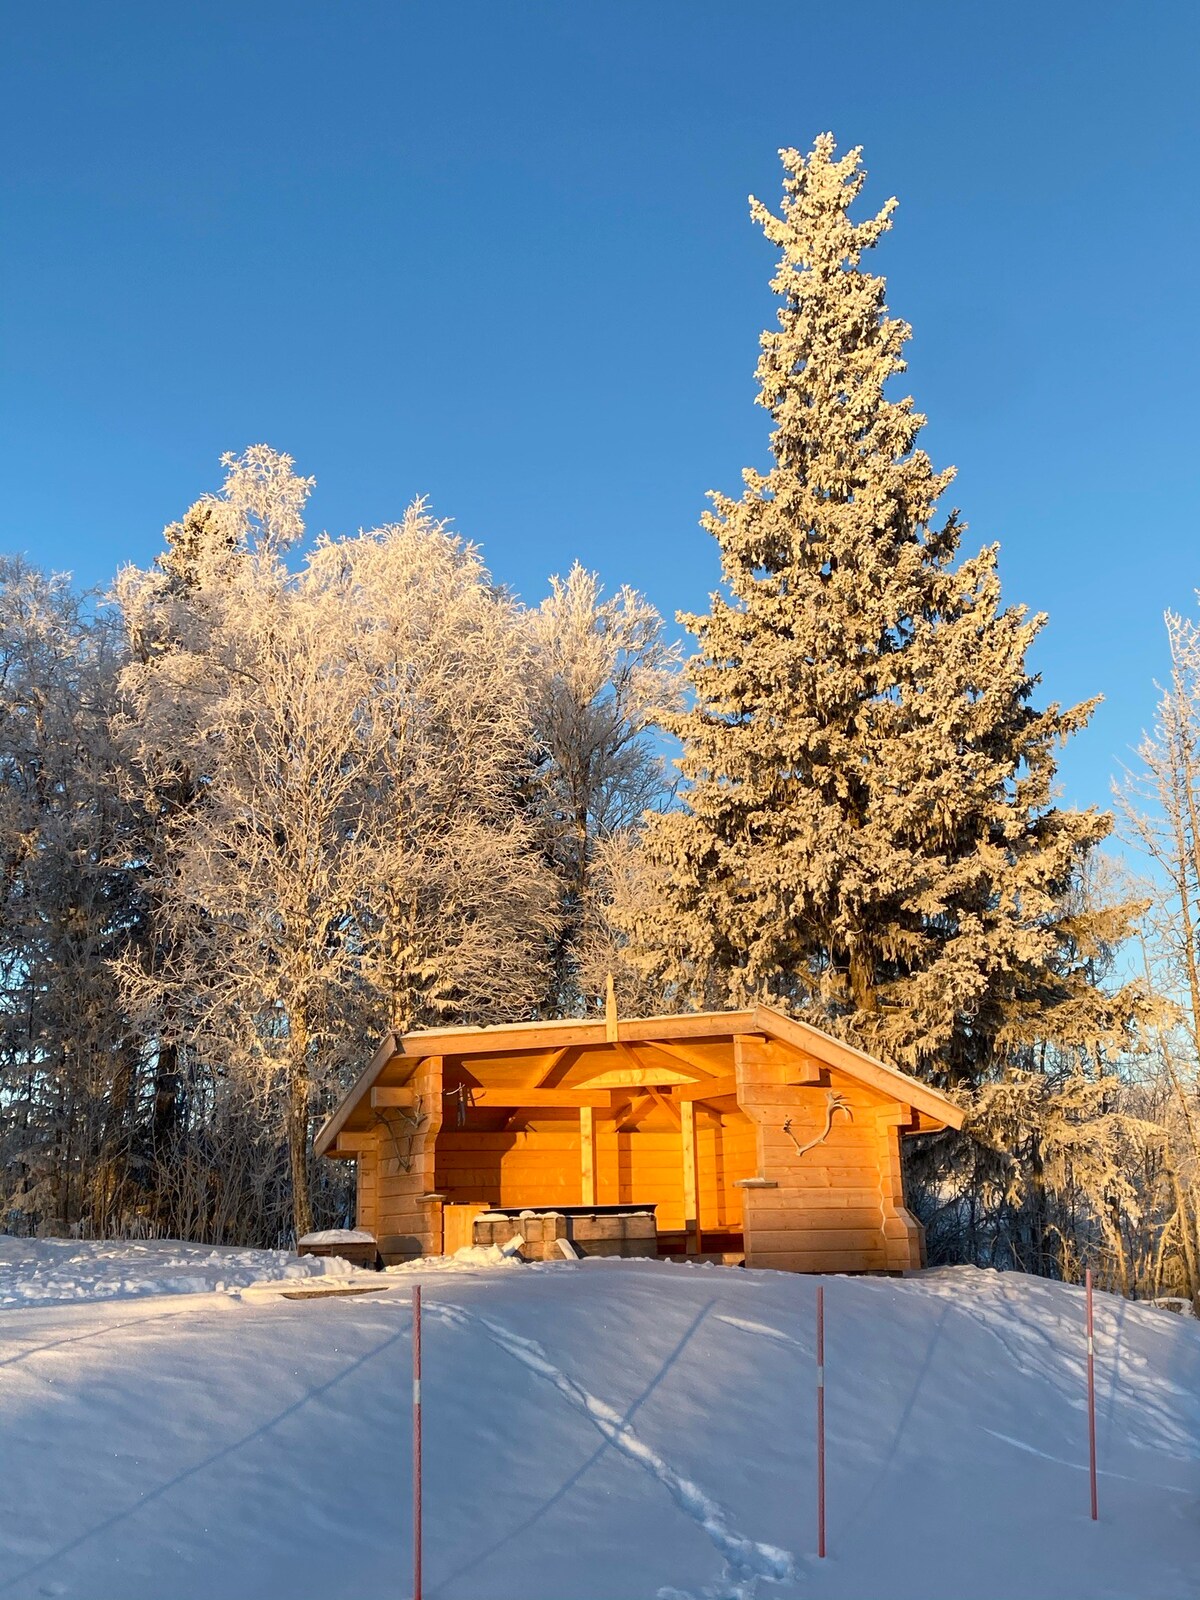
column 635, row 1431
column 469, row 1259
column 38, row 1272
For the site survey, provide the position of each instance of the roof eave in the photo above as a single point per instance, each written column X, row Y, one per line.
column 348, row 1104
column 910, row 1091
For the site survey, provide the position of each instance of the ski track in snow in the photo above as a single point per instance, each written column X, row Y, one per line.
column 1078, row 1466
column 764, row 1332
column 747, row 1562
column 1158, row 1415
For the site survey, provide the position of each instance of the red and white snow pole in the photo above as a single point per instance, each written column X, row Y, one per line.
column 1091, row 1395
column 821, row 1421
column 416, row 1440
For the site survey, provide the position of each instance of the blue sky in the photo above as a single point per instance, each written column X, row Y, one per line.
column 499, row 254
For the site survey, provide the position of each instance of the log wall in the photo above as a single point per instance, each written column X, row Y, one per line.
column 529, row 1168
column 543, row 1167
column 722, row 1203
column 406, row 1226
column 839, row 1206
column 642, row 1166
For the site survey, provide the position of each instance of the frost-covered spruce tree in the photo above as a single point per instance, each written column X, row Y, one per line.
column 869, row 836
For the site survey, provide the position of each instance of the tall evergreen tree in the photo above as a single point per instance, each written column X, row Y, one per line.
column 869, row 834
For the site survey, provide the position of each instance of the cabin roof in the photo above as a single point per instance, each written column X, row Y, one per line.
column 505, row 1039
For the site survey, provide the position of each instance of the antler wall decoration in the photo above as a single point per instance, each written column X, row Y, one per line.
column 416, row 1120
column 833, row 1102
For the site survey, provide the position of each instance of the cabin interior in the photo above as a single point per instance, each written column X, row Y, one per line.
column 578, row 1139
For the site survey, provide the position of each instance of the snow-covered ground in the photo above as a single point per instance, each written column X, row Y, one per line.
column 43, row 1271
column 593, row 1431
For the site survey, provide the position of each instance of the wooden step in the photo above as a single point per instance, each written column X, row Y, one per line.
column 716, row 1258
column 330, row 1294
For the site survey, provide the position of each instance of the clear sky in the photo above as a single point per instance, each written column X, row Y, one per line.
column 499, row 254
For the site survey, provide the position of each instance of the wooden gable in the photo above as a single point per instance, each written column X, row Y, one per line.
column 570, row 1064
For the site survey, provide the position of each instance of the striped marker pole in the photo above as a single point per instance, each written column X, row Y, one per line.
column 821, row 1421
column 1091, row 1384
column 416, row 1440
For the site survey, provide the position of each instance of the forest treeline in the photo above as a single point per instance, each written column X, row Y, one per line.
column 272, row 796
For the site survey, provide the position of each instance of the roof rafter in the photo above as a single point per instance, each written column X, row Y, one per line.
column 549, row 1065
column 679, row 1053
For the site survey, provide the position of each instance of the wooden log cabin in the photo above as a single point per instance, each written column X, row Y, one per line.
column 752, row 1135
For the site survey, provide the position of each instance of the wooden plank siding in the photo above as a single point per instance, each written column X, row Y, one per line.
column 543, row 1166
column 523, row 1168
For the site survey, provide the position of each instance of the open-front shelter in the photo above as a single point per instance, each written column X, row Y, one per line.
column 751, row 1133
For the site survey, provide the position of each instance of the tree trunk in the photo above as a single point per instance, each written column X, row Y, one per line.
column 297, row 1132
column 862, row 980
column 1118, row 1247
column 1187, row 1241
column 166, row 1098
column 116, row 1144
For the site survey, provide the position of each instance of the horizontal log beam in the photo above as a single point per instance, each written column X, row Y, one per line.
column 807, row 1070
column 349, row 1144
column 384, row 1098
column 637, row 1078
column 511, row 1037
column 706, row 1091
column 597, row 1099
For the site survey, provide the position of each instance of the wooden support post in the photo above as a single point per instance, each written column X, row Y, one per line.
column 691, row 1207
column 587, row 1156
column 610, row 1011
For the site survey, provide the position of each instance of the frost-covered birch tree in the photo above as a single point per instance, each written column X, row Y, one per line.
column 232, row 700
column 604, row 676
column 350, row 855
column 1159, row 803
column 457, row 917
column 869, row 833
